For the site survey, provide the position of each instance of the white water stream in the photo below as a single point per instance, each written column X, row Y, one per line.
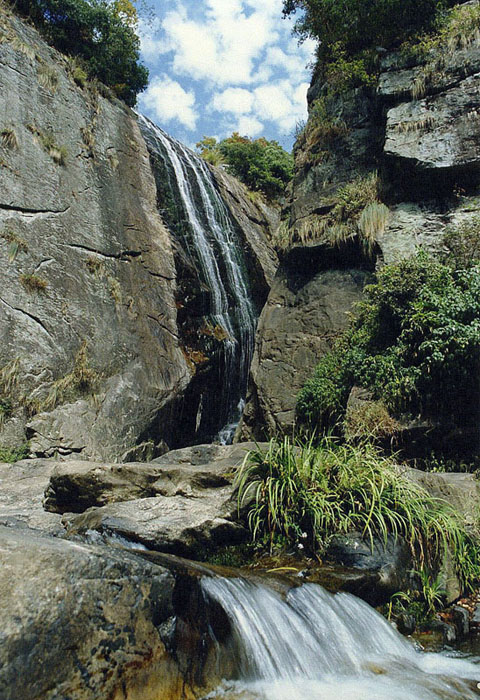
column 317, row 646
column 213, row 237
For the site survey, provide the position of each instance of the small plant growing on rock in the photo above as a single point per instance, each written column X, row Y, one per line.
column 95, row 266
column 8, row 138
column 33, row 283
column 10, row 455
column 16, row 244
column 82, row 380
column 21, row 46
column 47, row 77
column 47, row 141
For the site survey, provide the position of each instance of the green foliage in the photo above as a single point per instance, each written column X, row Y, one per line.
column 101, row 33
column 359, row 25
column 312, row 492
column 14, row 454
column 209, row 150
column 260, row 164
column 422, row 600
column 415, row 343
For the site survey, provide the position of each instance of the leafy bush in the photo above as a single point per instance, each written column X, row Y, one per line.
column 415, row 343
column 101, row 33
column 260, row 164
column 14, row 454
column 311, row 493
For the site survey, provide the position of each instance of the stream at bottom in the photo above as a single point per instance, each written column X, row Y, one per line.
column 312, row 645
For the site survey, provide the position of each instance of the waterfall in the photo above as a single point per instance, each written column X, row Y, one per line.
column 313, row 645
column 199, row 218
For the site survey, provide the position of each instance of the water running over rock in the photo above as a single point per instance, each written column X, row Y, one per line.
column 312, row 644
column 208, row 236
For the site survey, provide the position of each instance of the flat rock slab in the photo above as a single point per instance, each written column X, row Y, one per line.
column 76, row 486
column 179, row 525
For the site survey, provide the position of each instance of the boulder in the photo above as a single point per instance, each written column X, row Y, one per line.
column 82, row 622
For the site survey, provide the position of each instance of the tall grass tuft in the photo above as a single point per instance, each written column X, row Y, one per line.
column 331, row 488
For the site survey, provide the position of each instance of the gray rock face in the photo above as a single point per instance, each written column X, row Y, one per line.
column 90, row 357
column 89, row 230
column 305, row 310
column 439, row 132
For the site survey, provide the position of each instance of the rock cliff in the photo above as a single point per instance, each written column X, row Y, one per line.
column 416, row 136
column 91, row 359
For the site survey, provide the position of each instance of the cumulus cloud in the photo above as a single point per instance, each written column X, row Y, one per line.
column 247, row 70
column 234, row 100
column 169, row 101
column 249, row 126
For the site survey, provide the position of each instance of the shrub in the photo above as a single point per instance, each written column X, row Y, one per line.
column 359, row 25
column 311, row 493
column 415, row 342
column 462, row 244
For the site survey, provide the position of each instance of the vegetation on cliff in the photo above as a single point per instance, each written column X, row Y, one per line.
column 414, row 343
column 260, row 164
column 100, row 33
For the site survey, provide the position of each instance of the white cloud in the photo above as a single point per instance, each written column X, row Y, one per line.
column 170, row 102
column 235, row 100
column 224, row 46
column 249, row 126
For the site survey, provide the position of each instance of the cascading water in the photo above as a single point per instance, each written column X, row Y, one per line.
column 200, row 219
column 318, row 646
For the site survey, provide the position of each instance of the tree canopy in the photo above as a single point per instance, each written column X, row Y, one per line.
column 261, row 164
column 101, row 33
column 358, row 25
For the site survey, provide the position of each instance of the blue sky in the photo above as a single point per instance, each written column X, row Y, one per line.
column 218, row 66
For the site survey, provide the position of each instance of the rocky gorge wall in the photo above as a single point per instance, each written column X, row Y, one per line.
column 418, row 135
column 91, row 359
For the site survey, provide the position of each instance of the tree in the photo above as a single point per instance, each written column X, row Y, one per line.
column 357, row 25
column 262, row 165
column 101, row 33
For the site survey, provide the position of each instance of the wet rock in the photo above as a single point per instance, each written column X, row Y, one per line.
column 461, row 620
column 181, row 525
column 389, row 562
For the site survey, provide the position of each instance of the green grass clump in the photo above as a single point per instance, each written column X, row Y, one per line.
column 14, row 454
column 311, row 492
column 33, row 283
